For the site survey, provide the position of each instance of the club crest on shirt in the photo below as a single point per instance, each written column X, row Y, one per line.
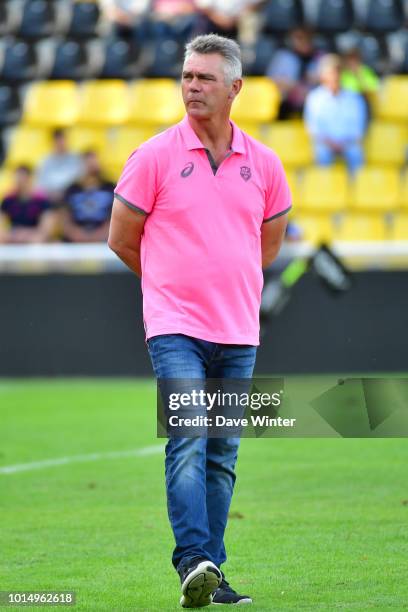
column 187, row 170
column 246, row 173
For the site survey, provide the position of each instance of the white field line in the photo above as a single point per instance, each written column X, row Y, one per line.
column 45, row 463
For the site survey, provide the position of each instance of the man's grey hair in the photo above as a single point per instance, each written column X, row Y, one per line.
column 226, row 47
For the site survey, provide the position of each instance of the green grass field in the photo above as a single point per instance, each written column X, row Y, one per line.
column 315, row 523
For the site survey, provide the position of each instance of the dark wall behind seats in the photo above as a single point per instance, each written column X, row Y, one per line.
column 91, row 325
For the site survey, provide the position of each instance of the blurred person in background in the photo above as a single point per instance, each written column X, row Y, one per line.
column 125, row 16
column 336, row 118
column 26, row 216
column 294, row 232
column 295, row 71
column 358, row 77
column 151, row 20
column 59, row 169
column 86, row 210
column 224, row 16
column 176, row 19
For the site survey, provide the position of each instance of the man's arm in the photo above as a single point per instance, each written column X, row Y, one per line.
column 272, row 234
column 125, row 234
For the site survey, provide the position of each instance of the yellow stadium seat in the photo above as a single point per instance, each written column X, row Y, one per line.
column 404, row 191
column 252, row 129
column 392, row 99
column 28, row 145
column 315, row 228
column 358, row 227
column 291, row 142
column 6, row 182
column 400, row 227
column 51, row 104
column 258, row 101
column 292, row 178
column 126, row 140
column 324, row 189
column 156, row 101
column 386, row 143
column 104, row 103
column 376, row 189
column 82, row 138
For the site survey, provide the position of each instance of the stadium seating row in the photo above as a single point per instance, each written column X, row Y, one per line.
column 158, row 101
column 386, row 143
column 374, row 189
column 114, row 102
column 332, row 16
column 40, row 18
column 352, row 227
column 22, row 61
column 387, row 54
column 33, row 19
column 56, row 58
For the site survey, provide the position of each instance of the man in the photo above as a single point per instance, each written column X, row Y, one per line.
column 225, row 16
column 87, row 205
column 25, row 215
column 198, row 211
column 336, row 118
column 59, row 169
column 294, row 70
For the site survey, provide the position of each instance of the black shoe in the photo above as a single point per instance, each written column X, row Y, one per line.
column 226, row 595
column 199, row 579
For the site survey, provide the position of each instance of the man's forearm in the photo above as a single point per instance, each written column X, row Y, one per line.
column 269, row 256
column 130, row 257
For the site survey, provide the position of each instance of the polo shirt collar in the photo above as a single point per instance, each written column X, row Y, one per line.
column 192, row 141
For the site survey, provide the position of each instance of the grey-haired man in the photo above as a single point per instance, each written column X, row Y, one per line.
column 211, row 203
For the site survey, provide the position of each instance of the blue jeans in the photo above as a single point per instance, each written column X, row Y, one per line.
column 352, row 153
column 200, row 473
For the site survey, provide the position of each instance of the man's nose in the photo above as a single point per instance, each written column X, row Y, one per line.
column 195, row 84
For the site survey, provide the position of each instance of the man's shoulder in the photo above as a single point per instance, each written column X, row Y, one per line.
column 8, row 200
column 159, row 142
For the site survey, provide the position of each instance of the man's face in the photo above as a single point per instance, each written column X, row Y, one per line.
column 22, row 180
column 205, row 90
column 301, row 42
column 331, row 78
column 60, row 144
column 91, row 163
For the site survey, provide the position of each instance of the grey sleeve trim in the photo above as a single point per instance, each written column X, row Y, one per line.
column 283, row 212
column 130, row 205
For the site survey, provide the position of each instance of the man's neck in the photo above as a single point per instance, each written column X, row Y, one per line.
column 215, row 134
column 334, row 90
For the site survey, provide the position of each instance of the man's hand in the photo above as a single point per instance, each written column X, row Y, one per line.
column 125, row 234
column 336, row 147
column 272, row 235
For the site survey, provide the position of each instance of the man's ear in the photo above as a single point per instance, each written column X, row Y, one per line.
column 236, row 88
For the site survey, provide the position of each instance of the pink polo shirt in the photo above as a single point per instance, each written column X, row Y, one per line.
column 201, row 245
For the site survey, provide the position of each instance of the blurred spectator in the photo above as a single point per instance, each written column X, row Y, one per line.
column 223, row 16
column 336, row 118
column 176, row 19
column 26, row 216
column 295, row 71
column 151, row 20
column 293, row 232
column 125, row 15
column 357, row 76
column 60, row 169
column 87, row 205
